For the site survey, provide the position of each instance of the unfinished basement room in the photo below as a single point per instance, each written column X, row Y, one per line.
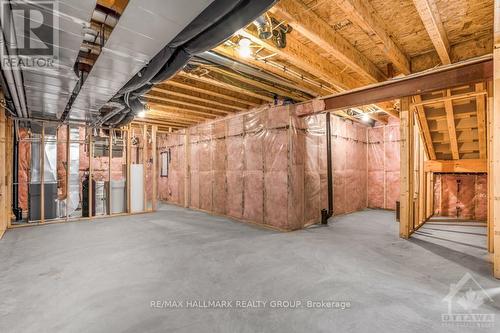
column 250, row 166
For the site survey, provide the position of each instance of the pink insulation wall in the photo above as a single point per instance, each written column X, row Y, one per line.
column 384, row 165
column 244, row 167
column 267, row 166
column 349, row 149
column 461, row 196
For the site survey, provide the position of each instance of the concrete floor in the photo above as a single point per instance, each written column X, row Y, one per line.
column 102, row 276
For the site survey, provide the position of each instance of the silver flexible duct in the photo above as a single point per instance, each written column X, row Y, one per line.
column 17, row 80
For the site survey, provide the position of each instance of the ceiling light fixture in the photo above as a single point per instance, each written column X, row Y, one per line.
column 244, row 47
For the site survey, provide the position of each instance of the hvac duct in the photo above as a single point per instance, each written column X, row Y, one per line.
column 242, row 68
column 219, row 21
column 13, row 78
column 48, row 89
column 264, row 27
column 143, row 29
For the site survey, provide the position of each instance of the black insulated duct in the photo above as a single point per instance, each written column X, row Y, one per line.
column 218, row 22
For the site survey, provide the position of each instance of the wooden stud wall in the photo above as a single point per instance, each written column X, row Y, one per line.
column 494, row 158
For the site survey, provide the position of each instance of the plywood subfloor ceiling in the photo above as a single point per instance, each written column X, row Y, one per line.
column 335, row 45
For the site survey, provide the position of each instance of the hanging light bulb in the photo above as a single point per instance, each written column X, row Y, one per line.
column 366, row 118
column 142, row 114
column 244, row 47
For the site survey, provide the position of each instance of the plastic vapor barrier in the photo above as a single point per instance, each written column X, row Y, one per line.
column 384, row 165
column 267, row 166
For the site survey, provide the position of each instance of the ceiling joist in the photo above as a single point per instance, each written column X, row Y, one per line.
column 363, row 14
column 209, row 92
column 310, row 25
column 429, row 14
column 226, row 86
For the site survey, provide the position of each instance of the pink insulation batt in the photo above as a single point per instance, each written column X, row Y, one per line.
column 384, row 165
column 461, row 196
column 268, row 166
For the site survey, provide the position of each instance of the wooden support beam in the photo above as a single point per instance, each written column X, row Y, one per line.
column 209, row 92
column 450, row 120
column 424, row 127
column 471, row 71
column 450, row 97
column 314, row 28
column 308, row 59
column 228, row 105
column 481, row 121
column 407, row 170
column 189, row 104
column 364, row 15
column 457, row 166
column 429, row 14
column 226, row 86
column 490, row 117
column 258, row 84
column 494, row 158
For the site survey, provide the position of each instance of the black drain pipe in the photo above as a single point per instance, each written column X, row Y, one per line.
column 326, row 214
column 18, row 213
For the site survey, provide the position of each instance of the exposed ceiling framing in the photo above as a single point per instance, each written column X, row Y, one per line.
column 341, row 45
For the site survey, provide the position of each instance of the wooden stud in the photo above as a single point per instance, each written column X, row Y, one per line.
column 8, row 169
column 154, row 129
column 429, row 14
column 489, row 124
column 424, row 127
column 481, row 121
column 450, row 120
column 494, row 157
column 422, row 184
column 187, row 169
column 407, row 167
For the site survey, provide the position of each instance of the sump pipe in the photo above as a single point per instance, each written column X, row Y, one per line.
column 326, row 214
